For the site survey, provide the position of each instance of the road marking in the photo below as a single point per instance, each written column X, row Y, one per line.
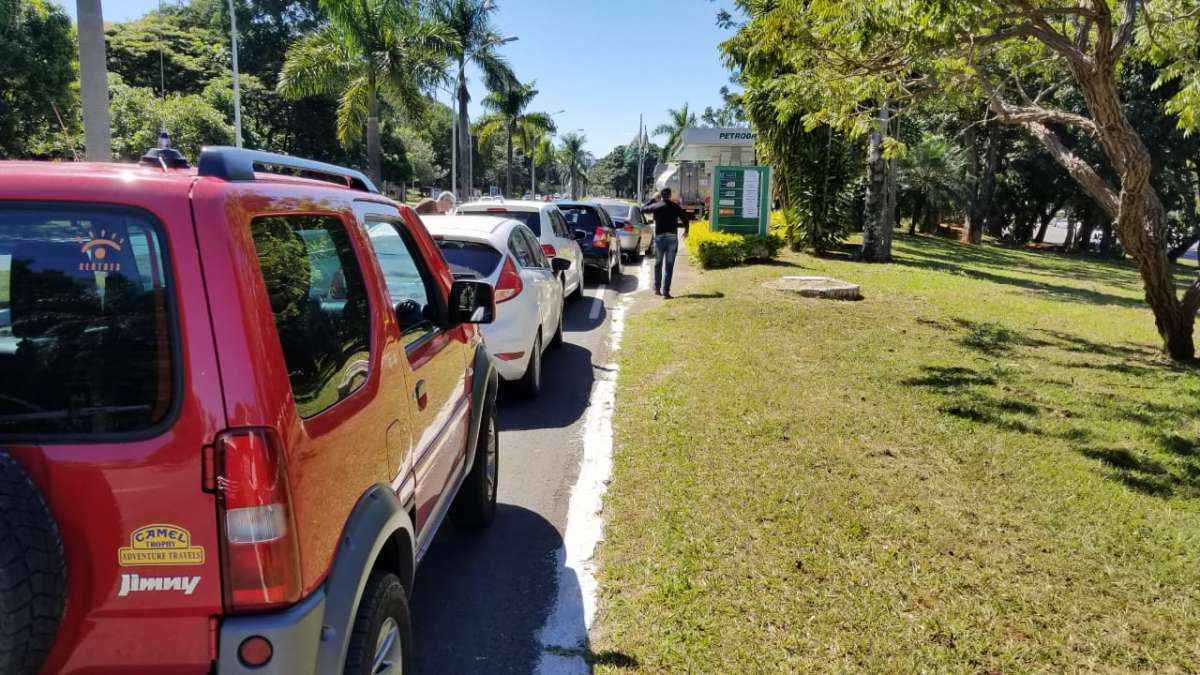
column 564, row 637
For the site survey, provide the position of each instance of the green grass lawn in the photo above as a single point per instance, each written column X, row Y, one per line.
column 985, row 466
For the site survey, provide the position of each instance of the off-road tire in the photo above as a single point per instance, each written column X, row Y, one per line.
column 383, row 598
column 33, row 573
column 474, row 506
column 530, row 384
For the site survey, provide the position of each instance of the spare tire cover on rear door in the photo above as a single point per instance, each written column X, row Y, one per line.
column 33, row 573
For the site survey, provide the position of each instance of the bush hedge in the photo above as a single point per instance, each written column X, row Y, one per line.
column 713, row 250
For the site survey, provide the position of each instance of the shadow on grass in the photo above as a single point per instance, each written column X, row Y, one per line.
column 607, row 657
column 1156, row 462
column 702, row 296
column 998, row 264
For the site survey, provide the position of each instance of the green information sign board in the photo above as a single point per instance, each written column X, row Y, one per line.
column 741, row 201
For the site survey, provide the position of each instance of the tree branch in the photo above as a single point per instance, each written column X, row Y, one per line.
column 1125, row 31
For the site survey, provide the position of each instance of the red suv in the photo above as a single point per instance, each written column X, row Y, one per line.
column 236, row 402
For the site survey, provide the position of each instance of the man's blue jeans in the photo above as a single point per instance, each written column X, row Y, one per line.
column 666, row 246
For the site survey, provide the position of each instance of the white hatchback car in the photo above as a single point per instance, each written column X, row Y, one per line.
column 529, row 294
column 548, row 225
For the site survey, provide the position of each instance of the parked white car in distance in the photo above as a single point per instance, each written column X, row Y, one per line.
column 529, row 293
column 547, row 224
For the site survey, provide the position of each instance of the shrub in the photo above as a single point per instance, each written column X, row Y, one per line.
column 760, row 247
column 713, row 250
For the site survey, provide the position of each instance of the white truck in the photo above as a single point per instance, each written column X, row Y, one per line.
column 689, row 182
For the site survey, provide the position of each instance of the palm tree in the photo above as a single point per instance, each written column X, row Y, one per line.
column 680, row 119
column 507, row 113
column 477, row 43
column 369, row 49
column 931, row 177
column 536, row 145
column 573, row 159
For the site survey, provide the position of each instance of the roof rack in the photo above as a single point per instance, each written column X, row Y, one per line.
column 238, row 164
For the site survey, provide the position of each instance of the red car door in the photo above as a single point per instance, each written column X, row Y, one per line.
column 418, row 283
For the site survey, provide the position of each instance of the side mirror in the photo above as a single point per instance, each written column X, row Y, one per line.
column 471, row 302
column 560, row 265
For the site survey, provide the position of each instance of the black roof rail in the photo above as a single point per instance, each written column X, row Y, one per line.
column 238, row 164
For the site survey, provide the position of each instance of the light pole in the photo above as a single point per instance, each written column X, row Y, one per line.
column 641, row 175
column 93, row 76
column 237, row 90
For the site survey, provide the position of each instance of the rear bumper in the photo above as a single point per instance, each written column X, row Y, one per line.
column 512, row 332
column 295, row 636
column 597, row 259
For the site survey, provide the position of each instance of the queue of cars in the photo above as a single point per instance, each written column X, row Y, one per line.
column 238, row 400
column 535, row 254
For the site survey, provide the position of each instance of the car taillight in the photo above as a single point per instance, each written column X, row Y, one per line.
column 261, row 559
column 548, row 250
column 509, row 285
column 600, row 238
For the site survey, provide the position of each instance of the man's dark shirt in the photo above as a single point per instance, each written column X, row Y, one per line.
column 667, row 216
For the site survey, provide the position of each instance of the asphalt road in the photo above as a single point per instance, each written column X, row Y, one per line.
column 480, row 599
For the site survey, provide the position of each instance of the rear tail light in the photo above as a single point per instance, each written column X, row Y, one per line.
column 548, row 250
column 509, row 285
column 261, row 559
column 600, row 238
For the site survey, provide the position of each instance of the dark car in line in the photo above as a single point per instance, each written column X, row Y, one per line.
column 593, row 228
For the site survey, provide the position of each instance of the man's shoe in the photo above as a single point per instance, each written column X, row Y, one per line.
column 667, row 296
column 657, row 292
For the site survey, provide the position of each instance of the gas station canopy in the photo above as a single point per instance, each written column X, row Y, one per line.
column 727, row 146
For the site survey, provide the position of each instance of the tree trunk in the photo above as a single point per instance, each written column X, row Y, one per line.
column 974, row 224
column 992, row 222
column 1047, row 218
column 465, row 177
column 1140, row 217
column 509, row 167
column 877, row 238
column 93, row 75
column 374, row 149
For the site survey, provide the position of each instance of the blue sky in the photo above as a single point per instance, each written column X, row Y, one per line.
column 600, row 61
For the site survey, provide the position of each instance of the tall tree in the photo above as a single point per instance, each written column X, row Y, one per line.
column 680, row 119
column 370, row 49
column 992, row 52
column 573, row 156
column 476, row 43
column 36, row 72
column 507, row 114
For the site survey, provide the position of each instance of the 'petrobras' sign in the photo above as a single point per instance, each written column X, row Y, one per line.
column 703, row 136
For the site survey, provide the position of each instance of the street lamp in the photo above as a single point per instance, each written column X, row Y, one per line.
column 93, row 81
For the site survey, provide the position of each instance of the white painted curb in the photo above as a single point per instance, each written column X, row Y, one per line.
column 564, row 637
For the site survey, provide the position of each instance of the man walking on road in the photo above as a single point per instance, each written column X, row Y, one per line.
column 667, row 217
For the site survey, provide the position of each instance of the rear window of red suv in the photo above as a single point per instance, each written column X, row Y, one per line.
column 86, row 336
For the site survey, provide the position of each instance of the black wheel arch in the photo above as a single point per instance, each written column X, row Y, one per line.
column 379, row 535
column 484, row 386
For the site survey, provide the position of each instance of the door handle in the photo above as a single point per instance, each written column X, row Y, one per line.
column 420, row 395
